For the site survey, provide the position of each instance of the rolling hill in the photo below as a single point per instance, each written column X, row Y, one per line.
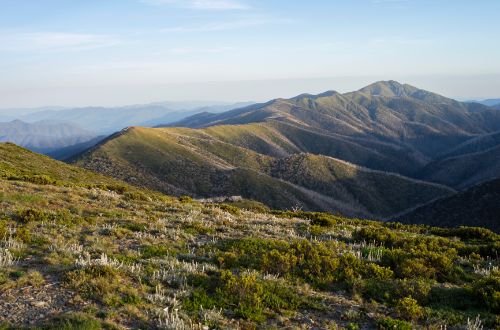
column 21, row 164
column 471, row 163
column 477, row 206
column 44, row 136
column 257, row 163
column 385, row 126
column 332, row 152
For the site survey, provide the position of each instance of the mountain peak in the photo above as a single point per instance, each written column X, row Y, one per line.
column 389, row 88
column 327, row 93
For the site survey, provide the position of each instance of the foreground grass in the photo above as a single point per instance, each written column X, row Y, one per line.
column 78, row 255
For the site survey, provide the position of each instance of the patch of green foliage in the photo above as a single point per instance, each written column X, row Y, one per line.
column 321, row 264
column 388, row 323
column 245, row 294
column 77, row 321
column 487, row 290
column 103, row 284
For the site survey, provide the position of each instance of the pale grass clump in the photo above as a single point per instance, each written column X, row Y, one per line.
column 141, row 235
column 270, row 277
column 475, row 324
column 109, row 226
column 264, row 225
column 85, row 260
column 375, row 251
column 167, row 230
column 192, row 216
column 159, row 296
column 9, row 242
column 345, row 233
column 101, row 195
column 485, row 271
column 212, row 315
column 74, row 249
column 173, row 270
column 220, row 216
column 170, row 320
column 6, row 259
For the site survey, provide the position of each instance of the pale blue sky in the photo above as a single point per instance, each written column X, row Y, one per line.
column 113, row 52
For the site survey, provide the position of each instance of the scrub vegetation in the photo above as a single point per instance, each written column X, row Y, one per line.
column 81, row 251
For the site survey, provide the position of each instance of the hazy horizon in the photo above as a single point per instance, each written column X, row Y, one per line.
column 62, row 53
column 248, row 91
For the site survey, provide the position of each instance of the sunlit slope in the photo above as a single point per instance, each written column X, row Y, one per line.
column 256, row 162
column 19, row 163
column 385, row 126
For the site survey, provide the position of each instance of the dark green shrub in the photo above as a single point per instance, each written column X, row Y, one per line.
column 413, row 262
column 151, row 251
column 229, row 208
column 251, row 205
column 322, row 219
column 133, row 226
column 196, row 228
column 458, row 298
column 467, row 233
column 118, row 188
column 23, row 234
column 94, row 282
column 409, row 309
column 317, row 218
column 185, row 199
column 352, row 326
column 39, row 179
column 136, row 195
column 3, row 229
column 130, row 296
column 380, row 235
column 31, row 215
column 389, row 323
column 487, row 290
column 199, row 298
column 76, row 321
column 246, row 295
column 317, row 263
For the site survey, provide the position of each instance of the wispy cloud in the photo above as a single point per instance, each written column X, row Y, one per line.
column 385, row 42
column 47, row 41
column 388, row 1
column 230, row 25
column 397, row 4
column 202, row 4
column 213, row 50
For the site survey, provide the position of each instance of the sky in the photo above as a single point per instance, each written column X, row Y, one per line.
column 118, row 52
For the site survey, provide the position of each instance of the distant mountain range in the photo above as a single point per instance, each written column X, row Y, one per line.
column 64, row 132
column 44, row 136
column 330, row 151
column 489, row 102
column 109, row 120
